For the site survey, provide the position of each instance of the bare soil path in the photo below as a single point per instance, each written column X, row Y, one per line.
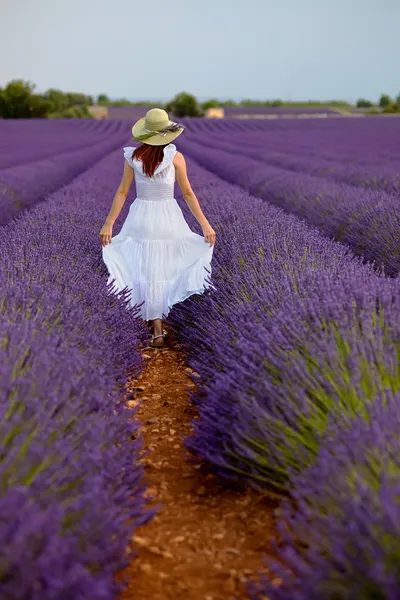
column 205, row 540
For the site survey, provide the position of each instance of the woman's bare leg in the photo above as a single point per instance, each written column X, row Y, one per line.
column 158, row 330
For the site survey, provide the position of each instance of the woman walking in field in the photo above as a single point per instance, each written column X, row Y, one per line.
column 156, row 255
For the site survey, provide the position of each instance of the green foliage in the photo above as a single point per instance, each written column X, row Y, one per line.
column 17, row 101
column 184, row 105
column 392, row 108
column 300, row 104
column 77, row 99
column 212, row 103
column 103, row 100
column 331, row 394
column 384, row 100
column 362, row 103
column 121, row 102
column 61, row 101
column 57, row 99
column 72, row 112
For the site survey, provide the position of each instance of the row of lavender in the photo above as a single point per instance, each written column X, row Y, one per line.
column 298, row 352
column 71, row 487
column 361, row 140
column 360, row 158
column 23, row 141
column 36, row 162
column 367, row 220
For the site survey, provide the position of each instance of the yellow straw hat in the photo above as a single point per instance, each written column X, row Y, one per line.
column 156, row 129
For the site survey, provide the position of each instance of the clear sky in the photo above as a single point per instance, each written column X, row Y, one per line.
column 153, row 49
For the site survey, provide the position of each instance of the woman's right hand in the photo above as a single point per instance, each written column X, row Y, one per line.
column 106, row 234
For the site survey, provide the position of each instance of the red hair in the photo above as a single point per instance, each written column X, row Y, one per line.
column 151, row 157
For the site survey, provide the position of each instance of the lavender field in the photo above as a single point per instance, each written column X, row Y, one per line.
column 297, row 351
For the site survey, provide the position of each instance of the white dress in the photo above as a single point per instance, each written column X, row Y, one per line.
column 156, row 255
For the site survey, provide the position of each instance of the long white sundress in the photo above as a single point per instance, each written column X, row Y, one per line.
column 156, row 255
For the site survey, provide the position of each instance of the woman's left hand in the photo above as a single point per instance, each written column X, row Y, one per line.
column 209, row 234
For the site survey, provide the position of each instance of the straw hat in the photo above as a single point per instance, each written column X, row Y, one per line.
column 156, row 129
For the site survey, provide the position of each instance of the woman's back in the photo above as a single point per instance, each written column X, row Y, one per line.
column 160, row 186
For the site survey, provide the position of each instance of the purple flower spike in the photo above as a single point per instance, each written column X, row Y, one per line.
column 71, row 485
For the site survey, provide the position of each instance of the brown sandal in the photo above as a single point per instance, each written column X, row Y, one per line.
column 154, row 337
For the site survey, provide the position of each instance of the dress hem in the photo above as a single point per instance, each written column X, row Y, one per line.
column 142, row 293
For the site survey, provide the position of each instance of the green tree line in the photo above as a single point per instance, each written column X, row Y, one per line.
column 19, row 100
column 186, row 105
column 386, row 104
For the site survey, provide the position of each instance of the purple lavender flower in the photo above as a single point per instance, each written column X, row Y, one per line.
column 44, row 156
column 342, row 539
column 71, row 486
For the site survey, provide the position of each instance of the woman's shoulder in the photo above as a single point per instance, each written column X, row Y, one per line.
column 128, row 152
column 170, row 150
column 177, row 156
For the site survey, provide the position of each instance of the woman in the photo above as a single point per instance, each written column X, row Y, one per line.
column 156, row 255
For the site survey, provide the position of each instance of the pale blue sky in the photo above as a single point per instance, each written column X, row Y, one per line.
column 152, row 49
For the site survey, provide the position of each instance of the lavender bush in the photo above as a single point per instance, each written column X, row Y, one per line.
column 341, row 541
column 368, row 221
column 238, row 111
column 23, row 185
column 71, row 490
column 298, row 357
column 370, row 143
column 370, row 175
column 30, row 140
column 299, row 334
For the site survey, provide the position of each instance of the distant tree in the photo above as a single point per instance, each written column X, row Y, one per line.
column 57, row 99
column 72, row 112
column 184, row 105
column 2, row 104
column 103, row 100
column 212, row 103
column 249, row 102
column 121, row 102
column 39, row 107
column 362, row 103
column 384, row 100
column 393, row 107
column 229, row 103
column 339, row 103
column 146, row 103
column 15, row 99
column 398, row 99
column 19, row 102
column 77, row 99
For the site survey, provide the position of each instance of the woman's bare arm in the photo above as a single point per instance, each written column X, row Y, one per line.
column 191, row 200
column 118, row 203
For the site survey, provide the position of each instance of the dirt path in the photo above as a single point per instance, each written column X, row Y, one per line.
column 205, row 540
